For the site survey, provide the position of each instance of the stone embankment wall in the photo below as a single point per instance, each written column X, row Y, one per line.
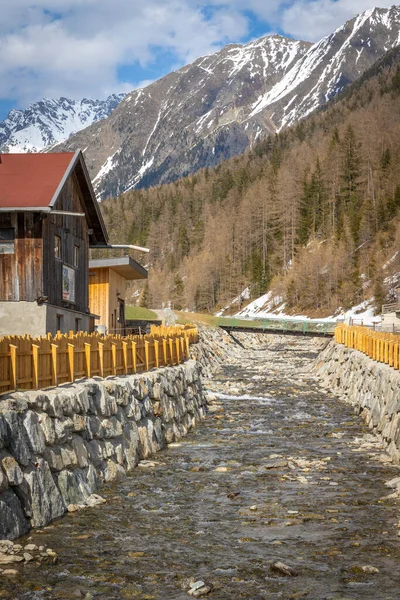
column 57, row 446
column 372, row 388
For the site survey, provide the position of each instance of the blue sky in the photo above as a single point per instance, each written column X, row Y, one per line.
column 91, row 48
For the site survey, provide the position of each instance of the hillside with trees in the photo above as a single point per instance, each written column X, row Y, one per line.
column 311, row 213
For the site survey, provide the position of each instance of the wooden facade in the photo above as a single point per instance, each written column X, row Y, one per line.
column 107, row 291
column 21, row 269
column 44, row 249
column 74, row 243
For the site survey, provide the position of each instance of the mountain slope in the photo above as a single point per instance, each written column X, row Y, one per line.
column 189, row 119
column 331, row 64
column 312, row 213
column 49, row 122
column 219, row 105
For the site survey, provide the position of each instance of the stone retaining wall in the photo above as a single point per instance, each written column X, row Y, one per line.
column 58, row 446
column 372, row 388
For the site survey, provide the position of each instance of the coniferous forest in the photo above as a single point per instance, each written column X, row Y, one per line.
column 311, row 213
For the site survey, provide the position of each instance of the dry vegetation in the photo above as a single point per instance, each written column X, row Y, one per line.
column 312, row 212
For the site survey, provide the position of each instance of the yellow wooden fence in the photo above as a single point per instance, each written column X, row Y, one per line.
column 380, row 346
column 36, row 363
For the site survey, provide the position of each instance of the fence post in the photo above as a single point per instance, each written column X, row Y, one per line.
column 54, row 349
column 391, row 348
column 125, row 357
column 146, row 354
column 100, row 347
column 88, row 353
column 177, row 348
column 134, row 356
column 187, row 347
column 164, row 346
column 396, row 355
column 156, row 353
column 71, row 357
column 13, row 373
column 114, row 357
column 171, row 351
column 35, row 357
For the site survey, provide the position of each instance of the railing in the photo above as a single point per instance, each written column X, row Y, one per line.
column 389, row 308
column 380, row 346
column 35, row 363
column 305, row 326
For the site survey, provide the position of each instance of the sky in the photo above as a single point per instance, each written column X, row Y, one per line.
column 92, row 48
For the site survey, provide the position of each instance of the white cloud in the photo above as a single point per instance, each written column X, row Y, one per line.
column 315, row 19
column 75, row 47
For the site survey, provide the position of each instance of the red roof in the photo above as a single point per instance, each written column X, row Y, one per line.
column 31, row 180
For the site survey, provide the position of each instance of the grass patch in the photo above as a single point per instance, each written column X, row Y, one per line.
column 140, row 314
column 211, row 320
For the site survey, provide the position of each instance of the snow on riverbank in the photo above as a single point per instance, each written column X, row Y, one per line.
column 272, row 307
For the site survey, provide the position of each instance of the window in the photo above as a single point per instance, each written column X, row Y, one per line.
column 60, row 323
column 57, row 246
column 76, row 256
column 7, row 236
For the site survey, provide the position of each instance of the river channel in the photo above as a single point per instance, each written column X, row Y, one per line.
column 281, row 471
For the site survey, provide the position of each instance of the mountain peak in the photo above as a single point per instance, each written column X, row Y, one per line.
column 209, row 110
column 50, row 121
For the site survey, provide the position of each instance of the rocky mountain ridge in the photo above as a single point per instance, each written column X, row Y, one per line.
column 221, row 104
column 51, row 121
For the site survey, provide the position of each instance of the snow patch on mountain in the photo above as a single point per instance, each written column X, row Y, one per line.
column 51, row 121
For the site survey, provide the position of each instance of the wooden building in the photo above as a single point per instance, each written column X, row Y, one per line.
column 49, row 218
column 107, row 286
column 391, row 314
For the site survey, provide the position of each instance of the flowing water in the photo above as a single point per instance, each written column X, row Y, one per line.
column 279, row 471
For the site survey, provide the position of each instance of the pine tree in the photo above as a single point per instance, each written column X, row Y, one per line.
column 350, row 199
column 145, row 298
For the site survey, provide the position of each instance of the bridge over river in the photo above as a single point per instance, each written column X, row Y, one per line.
column 279, row 494
column 303, row 327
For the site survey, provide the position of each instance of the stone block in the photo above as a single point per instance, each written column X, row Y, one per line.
column 37, row 400
column 106, row 405
column 54, row 458
column 111, row 428
column 11, row 469
column 13, row 523
column 48, row 427
column 96, row 451
column 34, row 431
column 3, row 483
column 74, row 486
column 80, row 423
column 64, row 428
column 132, row 409
column 81, row 451
column 19, row 443
column 4, row 433
column 68, row 456
column 55, row 407
column 39, row 495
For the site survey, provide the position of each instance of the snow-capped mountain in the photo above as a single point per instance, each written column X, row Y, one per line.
column 190, row 118
column 330, row 65
column 217, row 106
column 49, row 122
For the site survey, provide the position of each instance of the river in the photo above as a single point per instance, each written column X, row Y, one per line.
column 280, row 472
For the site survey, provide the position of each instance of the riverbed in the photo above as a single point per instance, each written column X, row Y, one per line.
column 280, row 493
